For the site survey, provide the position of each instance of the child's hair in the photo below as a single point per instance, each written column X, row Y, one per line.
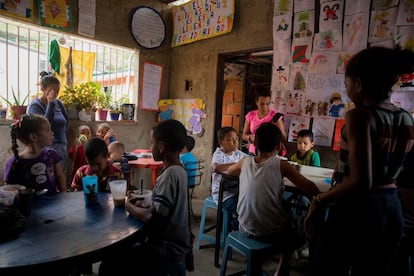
column 268, row 136
column 172, row 133
column 189, row 143
column 95, row 147
column 105, row 125
column 222, row 132
column 262, row 93
column 23, row 127
column 118, row 145
column 82, row 127
column 379, row 68
column 47, row 78
column 306, row 133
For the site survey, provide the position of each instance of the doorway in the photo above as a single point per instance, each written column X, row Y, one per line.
column 239, row 76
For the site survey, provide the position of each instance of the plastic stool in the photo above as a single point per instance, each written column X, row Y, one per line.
column 203, row 232
column 252, row 249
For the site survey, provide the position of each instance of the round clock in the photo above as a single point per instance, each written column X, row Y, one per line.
column 147, row 27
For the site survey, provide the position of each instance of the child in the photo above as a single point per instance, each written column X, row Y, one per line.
column 224, row 156
column 188, row 160
column 262, row 215
column 76, row 151
column 166, row 220
column 96, row 152
column 116, row 152
column 305, row 154
column 105, row 132
column 37, row 166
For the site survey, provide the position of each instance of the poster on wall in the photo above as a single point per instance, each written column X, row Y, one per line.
column 190, row 112
column 22, row 9
column 199, row 19
column 151, row 86
column 56, row 14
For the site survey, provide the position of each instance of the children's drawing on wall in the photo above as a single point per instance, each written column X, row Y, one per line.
column 280, row 78
column 303, row 5
column 356, row 6
column 331, row 16
column 281, row 51
column 355, row 32
column 166, row 112
column 336, row 107
column 383, row 4
column 299, row 75
column 301, row 50
column 323, row 62
column 279, row 101
column 309, row 107
column 295, row 101
column 296, row 124
column 197, row 110
column 403, row 100
column 283, row 6
column 406, row 13
column 343, row 59
column 323, row 131
column 330, row 40
column 405, row 37
column 282, row 26
column 382, row 25
column 304, row 24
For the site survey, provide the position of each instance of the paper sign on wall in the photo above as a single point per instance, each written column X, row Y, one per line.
column 151, row 86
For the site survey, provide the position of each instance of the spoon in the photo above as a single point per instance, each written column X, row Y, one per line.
column 42, row 192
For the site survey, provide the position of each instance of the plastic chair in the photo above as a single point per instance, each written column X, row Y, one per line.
column 203, row 231
column 252, row 249
column 195, row 170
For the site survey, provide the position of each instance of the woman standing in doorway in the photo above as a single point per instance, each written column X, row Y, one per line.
column 263, row 114
column 53, row 109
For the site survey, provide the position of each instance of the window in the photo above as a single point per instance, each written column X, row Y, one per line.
column 25, row 51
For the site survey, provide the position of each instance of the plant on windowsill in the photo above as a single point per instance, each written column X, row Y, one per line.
column 17, row 107
column 83, row 96
column 115, row 108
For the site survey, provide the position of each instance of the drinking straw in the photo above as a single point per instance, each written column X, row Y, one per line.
column 142, row 186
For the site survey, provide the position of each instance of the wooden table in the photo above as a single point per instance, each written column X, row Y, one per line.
column 61, row 232
column 147, row 162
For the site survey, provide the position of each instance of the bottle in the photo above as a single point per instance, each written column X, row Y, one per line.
column 82, row 138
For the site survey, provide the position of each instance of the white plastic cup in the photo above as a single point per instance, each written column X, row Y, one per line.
column 118, row 190
column 143, row 198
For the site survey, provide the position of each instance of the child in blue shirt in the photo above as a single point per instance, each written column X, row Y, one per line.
column 188, row 160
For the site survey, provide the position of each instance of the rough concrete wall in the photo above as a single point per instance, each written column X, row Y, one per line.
column 198, row 62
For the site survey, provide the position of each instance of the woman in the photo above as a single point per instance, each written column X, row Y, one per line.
column 54, row 110
column 263, row 114
column 364, row 224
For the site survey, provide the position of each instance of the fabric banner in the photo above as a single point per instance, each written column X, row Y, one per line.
column 56, row 14
column 199, row 19
column 22, row 9
column 82, row 66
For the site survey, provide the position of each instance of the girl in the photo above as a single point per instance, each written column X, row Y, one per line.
column 37, row 166
column 364, row 226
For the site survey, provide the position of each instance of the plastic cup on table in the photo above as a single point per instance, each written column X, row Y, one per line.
column 118, row 191
column 90, row 189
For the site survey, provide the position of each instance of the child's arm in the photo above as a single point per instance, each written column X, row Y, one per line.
column 315, row 160
column 140, row 213
column 220, row 168
column 305, row 185
column 77, row 182
column 60, row 178
column 235, row 168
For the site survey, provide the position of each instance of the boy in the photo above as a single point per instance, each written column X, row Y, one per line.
column 224, row 156
column 76, row 151
column 116, row 151
column 166, row 220
column 188, row 160
column 105, row 132
column 305, row 154
column 262, row 215
column 96, row 153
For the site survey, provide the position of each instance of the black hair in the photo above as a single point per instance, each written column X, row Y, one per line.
column 306, row 133
column 222, row 132
column 23, row 127
column 95, row 147
column 172, row 133
column 378, row 69
column 268, row 137
column 262, row 93
column 47, row 78
column 189, row 143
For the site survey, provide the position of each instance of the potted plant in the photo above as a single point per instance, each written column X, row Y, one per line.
column 116, row 108
column 82, row 97
column 17, row 107
column 103, row 103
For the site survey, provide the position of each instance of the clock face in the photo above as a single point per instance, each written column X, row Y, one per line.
column 147, row 27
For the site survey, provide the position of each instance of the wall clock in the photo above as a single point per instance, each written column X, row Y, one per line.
column 147, row 27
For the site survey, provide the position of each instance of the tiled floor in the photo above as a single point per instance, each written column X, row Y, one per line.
column 204, row 257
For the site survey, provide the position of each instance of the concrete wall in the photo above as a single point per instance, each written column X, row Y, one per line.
column 195, row 61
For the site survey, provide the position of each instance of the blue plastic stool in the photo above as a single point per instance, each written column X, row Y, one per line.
column 252, row 249
column 203, row 232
